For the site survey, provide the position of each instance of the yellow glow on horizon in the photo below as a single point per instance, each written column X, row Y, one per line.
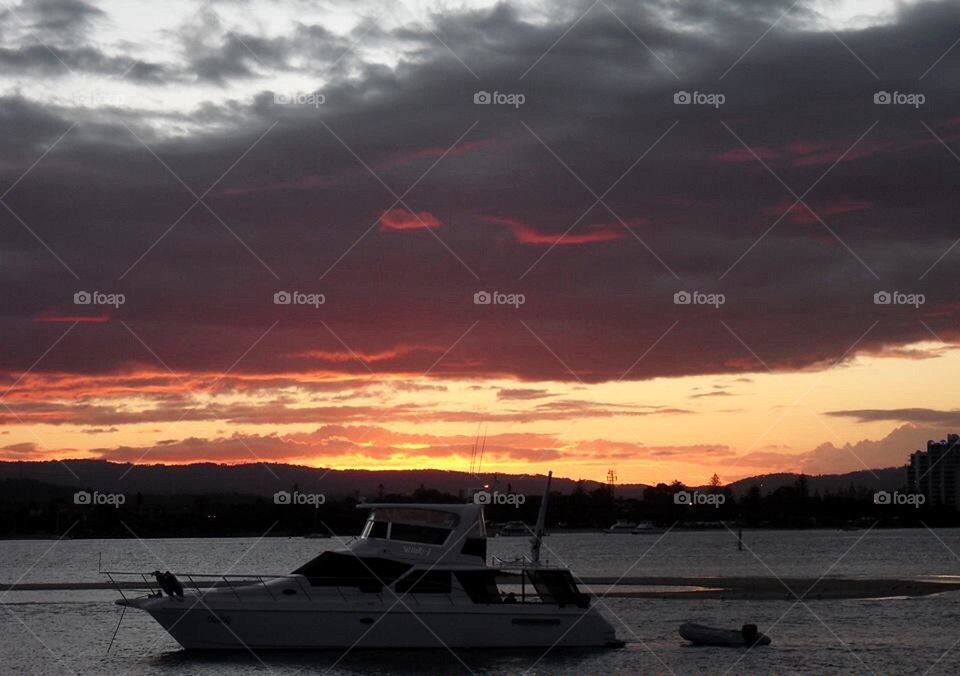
column 683, row 428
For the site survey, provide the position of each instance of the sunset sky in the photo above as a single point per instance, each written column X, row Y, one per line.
column 188, row 167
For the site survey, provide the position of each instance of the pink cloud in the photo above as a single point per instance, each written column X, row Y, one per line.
column 744, row 155
column 401, row 219
column 52, row 316
column 801, row 214
column 596, row 232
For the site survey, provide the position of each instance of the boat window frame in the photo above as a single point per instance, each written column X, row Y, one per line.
column 436, row 531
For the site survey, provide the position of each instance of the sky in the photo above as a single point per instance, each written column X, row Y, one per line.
column 668, row 239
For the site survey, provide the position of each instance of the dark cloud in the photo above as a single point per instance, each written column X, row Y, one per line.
column 522, row 393
column 329, row 443
column 891, row 450
column 919, row 416
column 300, row 211
column 98, row 409
column 51, row 19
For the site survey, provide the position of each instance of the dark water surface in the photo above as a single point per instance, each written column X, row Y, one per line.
column 57, row 632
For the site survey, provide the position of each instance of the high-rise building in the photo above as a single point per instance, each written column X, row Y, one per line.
column 936, row 472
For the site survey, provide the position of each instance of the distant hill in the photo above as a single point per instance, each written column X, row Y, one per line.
column 888, row 479
column 266, row 479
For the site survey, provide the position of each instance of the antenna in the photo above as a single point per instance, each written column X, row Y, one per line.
column 612, row 480
column 473, row 453
column 482, row 446
column 537, row 539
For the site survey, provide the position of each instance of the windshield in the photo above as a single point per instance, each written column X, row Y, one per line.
column 423, row 526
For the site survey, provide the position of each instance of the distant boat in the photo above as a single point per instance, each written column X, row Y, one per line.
column 622, row 527
column 316, row 536
column 648, row 528
column 700, row 634
column 513, row 528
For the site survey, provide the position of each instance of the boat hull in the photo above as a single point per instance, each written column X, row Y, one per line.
column 202, row 628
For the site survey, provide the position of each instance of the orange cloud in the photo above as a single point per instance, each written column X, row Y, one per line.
column 370, row 357
column 528, row 234
column 402, row 219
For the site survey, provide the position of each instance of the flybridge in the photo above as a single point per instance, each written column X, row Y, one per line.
column 450, row 533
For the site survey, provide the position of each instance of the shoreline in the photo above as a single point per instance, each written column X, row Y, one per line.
column 879, row 527
column 716, row 588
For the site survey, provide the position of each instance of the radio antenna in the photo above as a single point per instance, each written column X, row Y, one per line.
column 482, row 446
column 537, row 538
column 473, row 452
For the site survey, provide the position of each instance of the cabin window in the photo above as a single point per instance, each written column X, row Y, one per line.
column 479, row 585
column 423, row 526
column 417, row 517
column 425, row 582
column 427, row 535
column 558, row 586
column 475, row 547
column 376, row 529
column 333, row 569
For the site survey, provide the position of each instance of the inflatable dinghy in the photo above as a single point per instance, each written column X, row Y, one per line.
column 699, row 634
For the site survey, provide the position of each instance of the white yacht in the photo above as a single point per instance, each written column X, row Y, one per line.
column 417, row 577
column 621, row 527
column 648, row 528
column 513, row 528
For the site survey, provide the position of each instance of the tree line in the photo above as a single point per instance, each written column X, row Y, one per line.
column 30, row 508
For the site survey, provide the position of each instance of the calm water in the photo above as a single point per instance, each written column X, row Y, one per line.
column 68, row 631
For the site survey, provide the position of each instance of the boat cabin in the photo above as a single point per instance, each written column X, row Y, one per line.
column 433, row 551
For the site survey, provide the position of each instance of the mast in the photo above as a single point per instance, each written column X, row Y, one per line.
column 537, row 538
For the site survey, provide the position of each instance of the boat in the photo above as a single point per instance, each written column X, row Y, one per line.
column 621, row 527
column 417, row 577
column 512, row 528
column 648, row 528
column 700, row 634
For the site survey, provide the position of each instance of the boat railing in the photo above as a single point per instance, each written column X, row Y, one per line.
column 203, row 583
column 518, row 563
